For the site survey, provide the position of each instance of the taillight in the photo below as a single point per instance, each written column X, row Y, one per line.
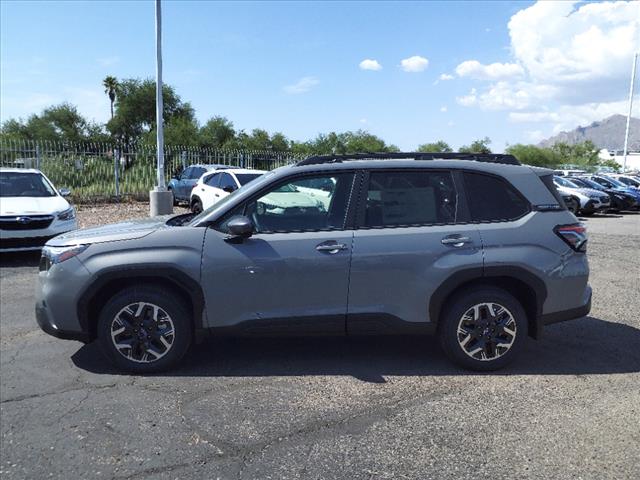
column 574, row 235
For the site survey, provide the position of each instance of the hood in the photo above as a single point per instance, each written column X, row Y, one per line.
column 32, row 205
column 129, row 230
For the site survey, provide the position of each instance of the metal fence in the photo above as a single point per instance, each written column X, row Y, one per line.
column 102, row 171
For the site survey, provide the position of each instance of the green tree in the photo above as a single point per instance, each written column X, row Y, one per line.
column 437, row 147
column 218, row 132
column 135, row 109
column 533, row 155
column 477, row 146
column 110, row 85
column 59, row 123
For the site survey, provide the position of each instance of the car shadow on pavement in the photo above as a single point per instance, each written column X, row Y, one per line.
column 19, row 259
column 579, row 347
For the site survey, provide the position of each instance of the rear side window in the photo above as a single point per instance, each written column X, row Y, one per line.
column 410, row 198
column 227, row 182
column 548, row 181
column 492, row 199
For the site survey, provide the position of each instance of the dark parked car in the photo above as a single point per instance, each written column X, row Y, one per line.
column 620, row 200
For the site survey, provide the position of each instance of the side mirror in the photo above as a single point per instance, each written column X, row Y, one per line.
column 228, row 189
column 64, row 192
column 240, row 228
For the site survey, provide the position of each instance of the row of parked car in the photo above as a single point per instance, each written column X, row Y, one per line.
column 586, row 194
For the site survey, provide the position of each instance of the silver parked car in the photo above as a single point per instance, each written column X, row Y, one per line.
column 476, row 249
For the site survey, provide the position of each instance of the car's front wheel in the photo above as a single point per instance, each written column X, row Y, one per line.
column 483, row 328
column 144, row 330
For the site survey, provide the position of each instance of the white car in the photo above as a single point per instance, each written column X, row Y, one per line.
column 31, row 210
column 214, row 186
column 591, row 201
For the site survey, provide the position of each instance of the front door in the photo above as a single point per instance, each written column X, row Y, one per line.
column 292, row 274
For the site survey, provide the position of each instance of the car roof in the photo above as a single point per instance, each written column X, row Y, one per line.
column 495, row 168
column 20, row 170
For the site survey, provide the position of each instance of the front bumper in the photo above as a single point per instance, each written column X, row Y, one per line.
column 26, row 240
column 47, row 325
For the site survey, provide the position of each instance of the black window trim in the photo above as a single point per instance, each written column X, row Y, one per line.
column 462, row 213
column 349, row 217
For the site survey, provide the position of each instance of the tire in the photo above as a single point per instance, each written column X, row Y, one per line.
column 119, row 313
column 496, row 341
column 196, row 206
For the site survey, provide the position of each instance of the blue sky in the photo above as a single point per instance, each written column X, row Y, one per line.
column 519, row 71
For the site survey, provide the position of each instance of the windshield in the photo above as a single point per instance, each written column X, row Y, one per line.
column 221, row 203
column 590, row 184
column 25, row 184
column 615, row 182
column 563, row 182
column 629, row 181
column 245, row 178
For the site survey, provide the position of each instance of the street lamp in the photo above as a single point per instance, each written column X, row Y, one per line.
column 160, row 199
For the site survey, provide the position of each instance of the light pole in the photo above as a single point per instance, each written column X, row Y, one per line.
column 160, row 199
column 626, row 133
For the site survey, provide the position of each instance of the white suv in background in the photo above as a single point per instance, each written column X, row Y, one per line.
column 31, row 210
column 214, row 186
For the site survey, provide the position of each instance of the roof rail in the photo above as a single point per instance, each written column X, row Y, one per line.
column 478, row 157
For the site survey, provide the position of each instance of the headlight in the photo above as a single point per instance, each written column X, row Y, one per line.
column 60, row 254
column 68, row 214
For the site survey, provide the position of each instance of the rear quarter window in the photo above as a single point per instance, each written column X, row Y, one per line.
column 492, row 199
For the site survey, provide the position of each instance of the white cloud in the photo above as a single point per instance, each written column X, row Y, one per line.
column 567, row 117
column 370, row 64
column 468, row 100
column 443, row 108
column 301, row 86
column 445, row 76
column 108, row 61
column 364, row 121
column 535, row 135
column 414, row 64
column 494, row 71
column 571, row 64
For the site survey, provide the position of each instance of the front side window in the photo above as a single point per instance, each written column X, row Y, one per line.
column 492, row 199
column 294, row 206
column 213, row 180
column 19, row 184
column 186, row 174
column 410, row 198
column 197, row 172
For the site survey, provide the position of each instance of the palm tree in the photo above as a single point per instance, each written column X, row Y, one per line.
column 110, row 88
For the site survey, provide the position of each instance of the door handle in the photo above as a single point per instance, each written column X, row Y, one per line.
column 455, row 240
column 331, row 248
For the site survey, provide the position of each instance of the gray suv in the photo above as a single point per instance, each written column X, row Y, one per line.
column 476, row 249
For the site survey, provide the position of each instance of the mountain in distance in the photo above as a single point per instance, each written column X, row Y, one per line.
column 607, row 133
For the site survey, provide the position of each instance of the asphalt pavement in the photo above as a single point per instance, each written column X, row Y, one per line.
column 370, row 408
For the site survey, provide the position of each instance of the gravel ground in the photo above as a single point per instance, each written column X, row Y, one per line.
column 101, row 214
column 332, row 408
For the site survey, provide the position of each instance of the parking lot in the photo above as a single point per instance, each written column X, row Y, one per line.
column 370, row 408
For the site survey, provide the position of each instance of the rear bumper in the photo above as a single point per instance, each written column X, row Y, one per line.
column 564, row 315
column 48, row 326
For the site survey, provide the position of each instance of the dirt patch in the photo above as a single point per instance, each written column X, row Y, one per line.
column 105, row 213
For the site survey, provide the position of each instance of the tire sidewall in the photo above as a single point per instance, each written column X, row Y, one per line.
column 448, row 327
column 165, row 300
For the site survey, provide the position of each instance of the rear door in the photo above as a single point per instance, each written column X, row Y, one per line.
column 410, row 239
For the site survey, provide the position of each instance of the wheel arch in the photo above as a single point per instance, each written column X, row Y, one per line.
column 525, row 286
column 111, row 282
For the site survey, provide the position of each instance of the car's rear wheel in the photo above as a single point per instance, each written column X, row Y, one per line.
column 483, row 328
column 144, row 330
column 196, row 206
column 175, row 201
